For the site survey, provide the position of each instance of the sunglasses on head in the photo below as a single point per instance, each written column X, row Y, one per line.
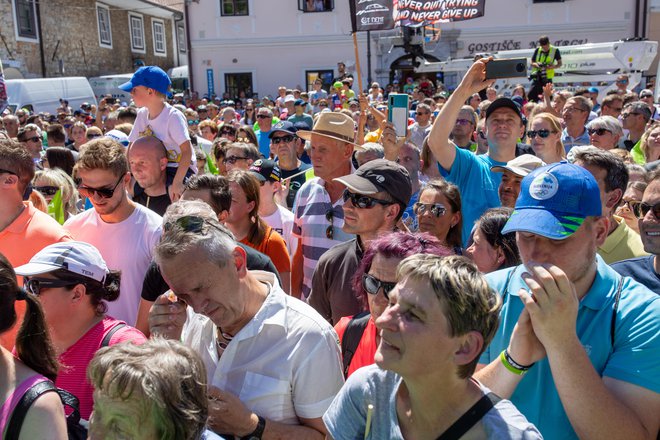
column 34, row 285
column 540, row 133
column 643, row 208
column 191, row 223
column 47, row 190
column 437, row 209
column 104, row 193
column 598, row 131
column 362, row 201
column 193, row 121
column 285, row 139
column 233, row 159
column 372, row 285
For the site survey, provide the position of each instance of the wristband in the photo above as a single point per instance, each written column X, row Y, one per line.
column 512, row 365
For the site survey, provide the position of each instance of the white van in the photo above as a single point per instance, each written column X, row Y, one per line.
column 109, row 85
column 44, row 94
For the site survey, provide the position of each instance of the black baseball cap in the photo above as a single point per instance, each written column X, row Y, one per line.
column 503, row 103
column 283, row 126
column 266, row 170
column 380, row 175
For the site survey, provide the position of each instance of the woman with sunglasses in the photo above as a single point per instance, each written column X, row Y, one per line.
column 605, row 132
column 372, row 284
column 438, row 211
column 491, row 250
column 227, row 131
column 34, row 361
column 250, row 229
column 628, row 210
column 49, row 181
column 73, row 283
column 544, row 136
column 249, row 116
column 245, row 134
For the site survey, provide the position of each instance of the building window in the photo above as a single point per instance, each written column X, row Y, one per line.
column 239, row 85
column 234, row 7
column 316, row 5
column 158, row 30
column 136, row 27
column 25, row 17
column 325, row 75
column 181, row 38
column 103, row 21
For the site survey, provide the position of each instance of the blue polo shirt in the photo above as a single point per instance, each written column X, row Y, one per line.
column 570, row 142
column 634, row 357
column 264, row 142
column 477, row 183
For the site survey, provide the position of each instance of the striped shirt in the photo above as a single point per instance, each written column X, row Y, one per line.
column 310, row 225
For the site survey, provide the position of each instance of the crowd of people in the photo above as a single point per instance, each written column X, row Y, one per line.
column 291, row 268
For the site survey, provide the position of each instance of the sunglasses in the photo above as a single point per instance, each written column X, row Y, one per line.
column 330, row 231
column 437, row 209
column 32, row 139
column 424, row 113
column 643, row 208
column 543, row 134
column 463, row 122
column 598, row 131
column 263, row 117
column 34, row 285
column 227, row 132
column 363, row 202
column 47, row 190
column 232, row 159
column 68, row 125
column 93, row 136
column 104, row 193
column 193, row 121
column 372, row 285
column 323, row 105
column 285, row 139
column 646, row 96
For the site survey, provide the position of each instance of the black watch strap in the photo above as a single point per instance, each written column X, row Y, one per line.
column 258, row 431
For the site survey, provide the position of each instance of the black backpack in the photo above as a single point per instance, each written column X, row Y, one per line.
column 351, row 339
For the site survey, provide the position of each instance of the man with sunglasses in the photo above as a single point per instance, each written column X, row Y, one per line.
column 285, row 142
column 634, row 117
column 611, row 174
column 123, row 231
column 265, row 123
column 646, row 270
column 375, row 198
column 578, row 346
column 31, row 138
column 422, row 126
column 24, row 230
column 464, row 129
column 646, row 96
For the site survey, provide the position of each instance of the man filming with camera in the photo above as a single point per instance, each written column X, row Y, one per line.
column 545, row 60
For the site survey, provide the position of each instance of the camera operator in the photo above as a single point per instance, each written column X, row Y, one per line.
column 545, row 60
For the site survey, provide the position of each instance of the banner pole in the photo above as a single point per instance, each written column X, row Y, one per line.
column 357, row 63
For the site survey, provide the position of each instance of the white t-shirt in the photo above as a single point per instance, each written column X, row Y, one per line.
column 169, row 126
column 282, row 221
column 126, row 246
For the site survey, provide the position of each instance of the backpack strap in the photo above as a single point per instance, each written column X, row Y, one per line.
column 106, row 340
column 617, row 297
column 351, row 339
column 21, row 410
column 471, row 417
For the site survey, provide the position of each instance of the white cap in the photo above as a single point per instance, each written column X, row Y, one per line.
column 521, row 165
column 118, row 136
column 289, row 98
column 74, row 256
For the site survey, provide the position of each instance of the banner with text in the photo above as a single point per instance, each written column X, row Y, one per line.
column 372, row 15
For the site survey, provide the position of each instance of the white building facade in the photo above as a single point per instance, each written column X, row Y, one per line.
column 254, row 46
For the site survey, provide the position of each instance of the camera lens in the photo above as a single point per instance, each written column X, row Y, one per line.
column 520, row 67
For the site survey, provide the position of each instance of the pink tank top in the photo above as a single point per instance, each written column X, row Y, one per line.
column 7, row 408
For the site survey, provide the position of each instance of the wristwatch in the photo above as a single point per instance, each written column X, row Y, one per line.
column 258, row 431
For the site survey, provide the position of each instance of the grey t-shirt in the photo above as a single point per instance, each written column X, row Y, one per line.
column 346, row 417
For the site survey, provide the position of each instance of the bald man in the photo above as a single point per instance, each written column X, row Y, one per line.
column 147, row 159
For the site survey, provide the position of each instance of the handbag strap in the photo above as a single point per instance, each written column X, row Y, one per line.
column 470, row 418
column 106, row 340
column 617, row 297
column 21, row 410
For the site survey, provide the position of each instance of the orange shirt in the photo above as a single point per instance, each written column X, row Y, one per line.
column 366, row 349
column 32, row 231
column 274, row 246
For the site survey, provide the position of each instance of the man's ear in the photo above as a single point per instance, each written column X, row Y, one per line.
column 163, row 163
column 240, row 261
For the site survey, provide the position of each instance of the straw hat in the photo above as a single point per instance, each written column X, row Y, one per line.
column 332, row 125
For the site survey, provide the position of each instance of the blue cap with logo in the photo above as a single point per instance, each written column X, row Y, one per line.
column 152, row 77
column 554, row 201
column 283, row 126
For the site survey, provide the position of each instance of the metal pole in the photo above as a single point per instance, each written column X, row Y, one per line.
column 368, row 59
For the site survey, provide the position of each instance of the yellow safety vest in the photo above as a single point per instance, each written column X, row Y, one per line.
column 546, row 58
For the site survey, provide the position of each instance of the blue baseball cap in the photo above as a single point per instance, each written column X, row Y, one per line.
column 554, row 201
column 152, row 77
column 283, row 126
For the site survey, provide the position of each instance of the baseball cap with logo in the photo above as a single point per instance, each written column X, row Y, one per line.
column 152, row 77
column 380, row 175
column 554, row 201
column 283, row 126
column 74, row 256
column 266, row 170
column 503, row 103
column 118, row 136
column 521, row 165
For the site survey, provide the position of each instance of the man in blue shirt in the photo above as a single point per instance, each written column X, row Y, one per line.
column 265, row 123
column 578, row 347
column 575, row 115
column 471, row 173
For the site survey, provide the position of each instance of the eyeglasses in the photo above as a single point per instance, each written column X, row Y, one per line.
column 423, row 113
column 643, row 208
column 323, row 105
column 330, row 231
column 104, row 193
column 372, row 285
column 598, row 131
column 263, row 117
column 232, row 159
column 47, row 190
column 463, row 122
column 437, row 209
column 249, row 109
column 93, row 136
column 285, row 139
column 540, row 133
column 227, row 132
column 363, row 202
column 193, row 121
column 34, row 285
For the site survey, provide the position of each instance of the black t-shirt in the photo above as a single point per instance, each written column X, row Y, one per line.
column 154, row 285
column 158, row 204
column 296, row 182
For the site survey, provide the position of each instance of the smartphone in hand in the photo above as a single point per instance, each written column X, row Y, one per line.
column 508, row 68
column 397, row 112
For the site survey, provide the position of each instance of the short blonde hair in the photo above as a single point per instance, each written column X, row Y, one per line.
column 57, row 177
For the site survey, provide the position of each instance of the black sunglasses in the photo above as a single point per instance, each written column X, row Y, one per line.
column 372, row 285
column 598, row 131
column 47, row 190
column 364, row 202
column 93, row 136
column 437, row 209
column 233, row 159
column 263, row 117
column 330, row 231
column 34, row 285
column 642, row 209
column 104, row 193
column 32, row 139
column 541, row 133
column 227, row 131
column 285, row 139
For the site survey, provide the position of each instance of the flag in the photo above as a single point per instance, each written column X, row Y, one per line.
column 56, row 207
column 3, row 90
column 372, row 15
column 210, row 166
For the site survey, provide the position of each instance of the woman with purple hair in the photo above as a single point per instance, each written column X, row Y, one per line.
column 372, row 283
